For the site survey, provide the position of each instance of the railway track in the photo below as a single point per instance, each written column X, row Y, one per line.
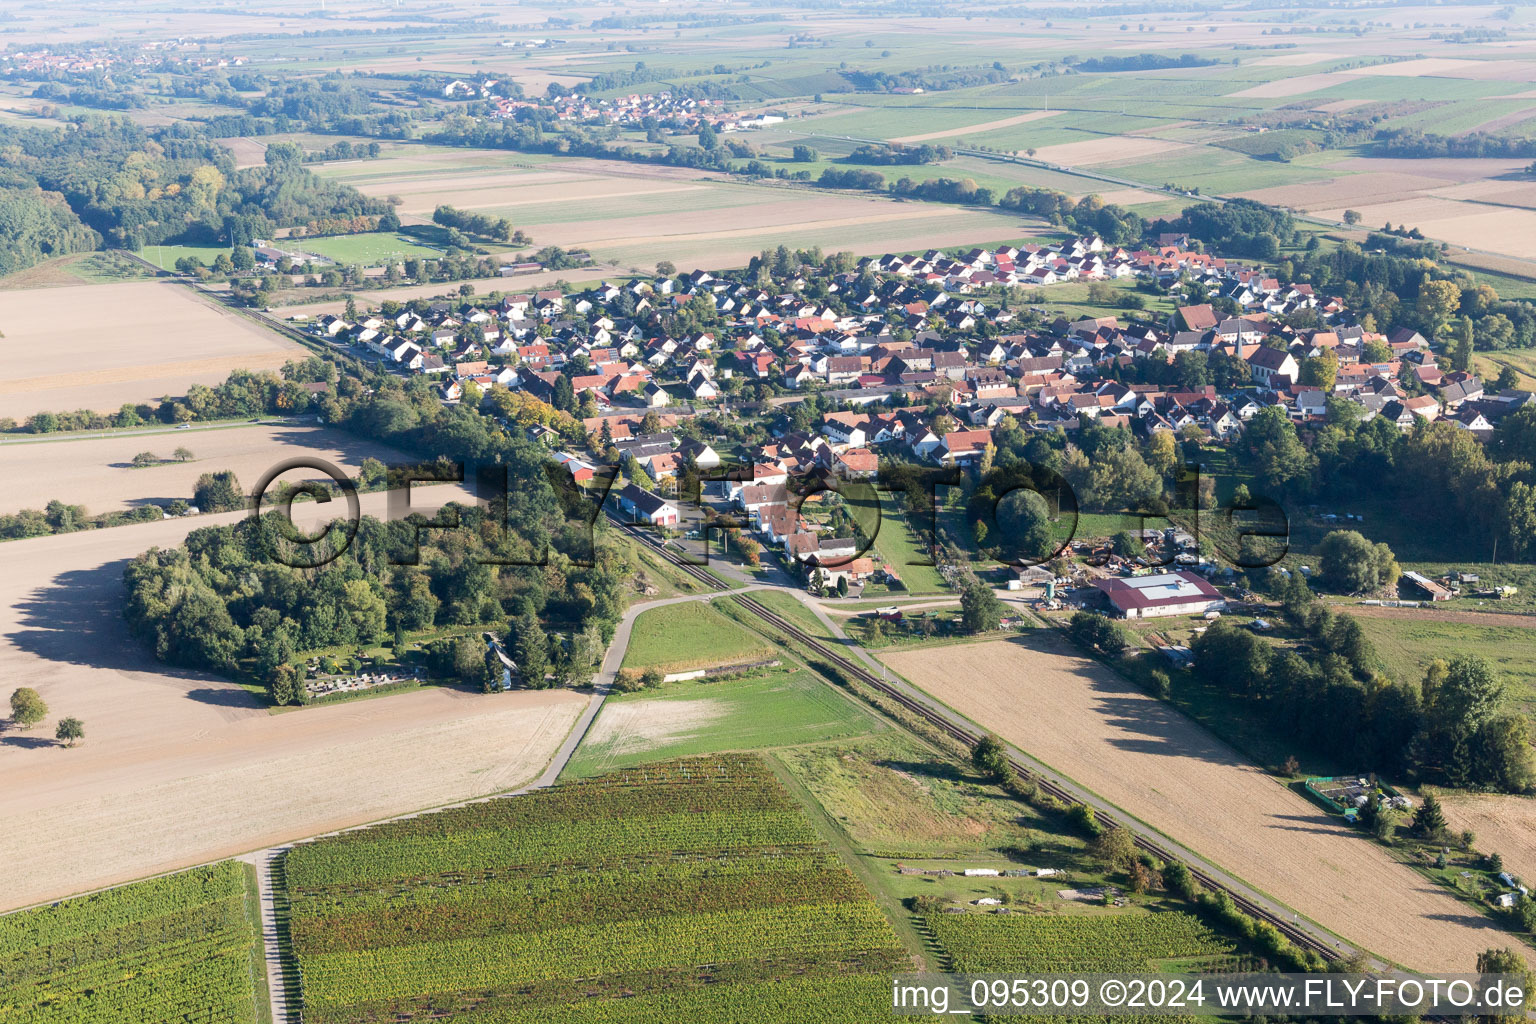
column 1300, row 936
column 1292, row 931
column 698, row 572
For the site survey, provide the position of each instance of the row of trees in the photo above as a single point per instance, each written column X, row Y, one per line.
column 471, row 223
column 242, row 394
column 1455, row 726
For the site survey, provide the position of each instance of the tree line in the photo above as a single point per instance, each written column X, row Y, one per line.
column 1456, row 726
column 485, row 225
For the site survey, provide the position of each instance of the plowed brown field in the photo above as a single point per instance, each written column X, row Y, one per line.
column 1148, row 759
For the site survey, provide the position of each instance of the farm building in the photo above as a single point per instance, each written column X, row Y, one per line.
column 1167, row 593
column 1433, row 590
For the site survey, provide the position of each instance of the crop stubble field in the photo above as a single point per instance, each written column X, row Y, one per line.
column 98, row 472
column 98, row 346
column 179, row 767
column 1504, row 824
column 1146, row 758
column 640, row 213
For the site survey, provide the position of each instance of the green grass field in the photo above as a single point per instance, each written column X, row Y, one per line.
column 1406, row 646
column 1489, row 364
column 177, row 948
column 790, row 608
column 594, row 901
column 691, row 635
column 776, row 708
column 899, row 548
column 165, row 256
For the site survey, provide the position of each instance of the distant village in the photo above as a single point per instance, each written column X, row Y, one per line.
column 631, row 111
column 893, row 339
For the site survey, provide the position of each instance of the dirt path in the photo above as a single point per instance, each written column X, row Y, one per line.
column 1146, row 758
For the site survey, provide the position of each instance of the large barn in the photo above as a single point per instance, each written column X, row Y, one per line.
column 1167, row 593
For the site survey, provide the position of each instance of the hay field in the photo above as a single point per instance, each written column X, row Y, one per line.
column 1452, row 67
column 1367, row 187
column 1505, row 825
column 98, row 346
column 98, row 472
column 179, row 767
column 1292, row 60
column 1148, row 759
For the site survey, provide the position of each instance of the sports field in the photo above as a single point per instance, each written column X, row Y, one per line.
column 1085, row 721
column 370, row 249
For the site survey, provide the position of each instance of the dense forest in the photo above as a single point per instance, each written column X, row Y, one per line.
column 890, row 155
column 1410, row 142
column 1089, row 215
column 107, row 179
column 37, row 225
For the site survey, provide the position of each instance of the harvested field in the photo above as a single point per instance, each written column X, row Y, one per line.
column 1505, row 825
column 1491, row 193
column 98, row 346
column 1087, row 722
column 248, row 152
column 1370, row 187
column 1131, row 197
column 985, row 126
column 1290, row 86
column 1472, row 225
column 798, row 220
column 639, row 213
column 1110, row 149
column 1338, row 106
column 1444, row 168
column 1295, row 60
column 98, row 472
column 1452, row 67
column 179, row 767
